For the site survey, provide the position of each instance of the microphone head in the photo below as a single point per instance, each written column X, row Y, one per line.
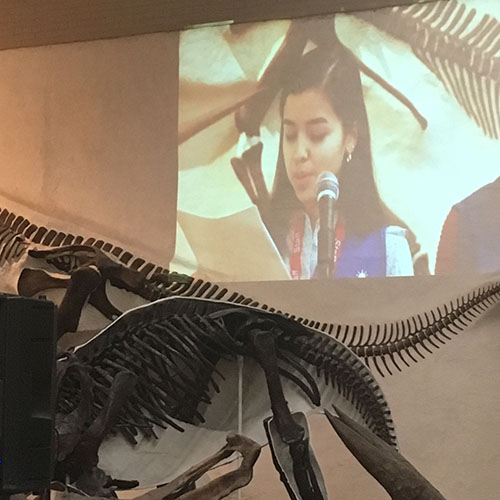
column 327, row 184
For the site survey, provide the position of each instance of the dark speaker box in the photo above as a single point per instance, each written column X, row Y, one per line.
column 27, row 373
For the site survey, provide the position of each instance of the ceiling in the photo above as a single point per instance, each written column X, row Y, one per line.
column 28, row 23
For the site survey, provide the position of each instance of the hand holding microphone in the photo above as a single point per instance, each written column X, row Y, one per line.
column 327, row 189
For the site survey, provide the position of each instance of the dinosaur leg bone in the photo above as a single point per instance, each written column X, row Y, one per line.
column 400, row 479
column 82, row 283
column 81, row 464
column 33, row 281
column 220, row 487
column 99, row 299
column 70, row 257
column 79, row 286
column 264, row 350
column 291, row 433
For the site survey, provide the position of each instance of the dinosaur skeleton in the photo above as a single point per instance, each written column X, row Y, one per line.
column 460, row 49
column 388, row 346
column 173, row 347
column 19, row 238
column 29, row 255
column 17, row 234
column 165, row 335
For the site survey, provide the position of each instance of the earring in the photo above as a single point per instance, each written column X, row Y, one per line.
column 349, row 156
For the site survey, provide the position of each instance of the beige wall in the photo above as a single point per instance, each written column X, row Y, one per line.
column 88, row 140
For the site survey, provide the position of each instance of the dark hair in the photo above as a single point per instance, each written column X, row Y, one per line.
column 334, row 71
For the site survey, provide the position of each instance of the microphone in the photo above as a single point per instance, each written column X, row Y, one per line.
column 327, row 189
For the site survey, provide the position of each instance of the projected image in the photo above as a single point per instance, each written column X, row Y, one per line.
column 335, row 147
column 325, row 213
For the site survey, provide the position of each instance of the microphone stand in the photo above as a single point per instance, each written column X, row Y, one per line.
column 325, row 268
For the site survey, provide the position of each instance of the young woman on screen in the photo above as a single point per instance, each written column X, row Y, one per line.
column 325, row 128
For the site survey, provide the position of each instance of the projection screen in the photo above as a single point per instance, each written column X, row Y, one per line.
column 419, row 193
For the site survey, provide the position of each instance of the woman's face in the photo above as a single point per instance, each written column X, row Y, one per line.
column 314, row 141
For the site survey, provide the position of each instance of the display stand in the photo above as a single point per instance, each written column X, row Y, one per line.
column 241, row 363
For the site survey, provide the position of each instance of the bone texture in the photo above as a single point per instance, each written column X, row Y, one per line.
column 173, row 346
column 461, row 48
